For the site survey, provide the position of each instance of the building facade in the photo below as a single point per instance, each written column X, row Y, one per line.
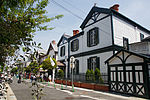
column 104, row 32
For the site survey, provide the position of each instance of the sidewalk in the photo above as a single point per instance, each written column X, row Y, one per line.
column 10, row 94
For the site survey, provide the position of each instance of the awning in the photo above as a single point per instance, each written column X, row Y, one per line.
column 60, row 64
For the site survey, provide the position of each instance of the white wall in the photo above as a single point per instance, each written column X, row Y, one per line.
column 124, row 29
column 105, row 36
column 103, row 57
column 66, row 51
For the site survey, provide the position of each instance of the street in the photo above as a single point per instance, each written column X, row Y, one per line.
column 22, row 91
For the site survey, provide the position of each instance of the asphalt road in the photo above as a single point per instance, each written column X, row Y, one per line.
column 23, row 92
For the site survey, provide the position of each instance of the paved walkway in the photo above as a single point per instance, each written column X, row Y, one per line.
column 61, row 92
column 10, row 93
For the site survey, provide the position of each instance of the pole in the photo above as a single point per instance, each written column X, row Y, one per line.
column 72, row 81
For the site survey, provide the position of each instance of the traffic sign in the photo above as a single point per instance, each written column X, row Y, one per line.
column 72, row 60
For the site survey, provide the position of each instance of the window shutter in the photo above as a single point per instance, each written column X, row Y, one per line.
column 126, row 43
column 98, row 62
column 88, row 64
column 88, row 39
column 64, row 50
column 141, row 36
column 96, row 35
column 61, row 51
column 72, row 46
column 77, row 66
column 77, row 44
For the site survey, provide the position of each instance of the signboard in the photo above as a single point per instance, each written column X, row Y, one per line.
column 72, row 60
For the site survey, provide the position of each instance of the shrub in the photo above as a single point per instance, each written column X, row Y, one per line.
column 97, row 74
column 92, row 75
column 61, row 74
column 88, row 75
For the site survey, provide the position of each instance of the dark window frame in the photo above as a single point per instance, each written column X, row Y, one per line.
column 141, row 36
column 126, row 43
column 73, row 43
column 76, row 69
column 62, row 51
column 90, row 66
column 93, row 37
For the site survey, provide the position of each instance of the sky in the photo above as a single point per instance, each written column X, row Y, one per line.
column 75, row 11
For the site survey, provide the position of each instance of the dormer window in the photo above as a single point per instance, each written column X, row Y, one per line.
column 141, row 36
column 62, row 51
column 126, row 43
column 75, row 45
column 92, row 37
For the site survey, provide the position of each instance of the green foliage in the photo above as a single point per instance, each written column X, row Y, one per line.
column 46, row 64
column 61, row 74
column 14, row 70
column 97, row 74
column 33, row 67
column 2, row 68
column 98, row 77
column 19, row 20
column 92, row 75
column 37, row 91
column 88, row 75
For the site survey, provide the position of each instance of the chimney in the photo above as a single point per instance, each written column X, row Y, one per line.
column 115, row 7
column 75, row 32
column 54, row 42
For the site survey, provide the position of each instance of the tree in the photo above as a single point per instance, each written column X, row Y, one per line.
column 14, row 70
column 46, row 64
column 61, row 74
column 19, row 20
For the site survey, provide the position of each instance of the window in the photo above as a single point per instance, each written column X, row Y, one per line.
column 93, row 63
column 125, row 43
column 75, row 45
column 62, row 51
column 92, row 37
column 76, row 69
column 141, row 36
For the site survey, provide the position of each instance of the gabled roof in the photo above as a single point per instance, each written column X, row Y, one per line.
column 113, row 12
column 139, row 55
column 53, row 46
column 66, row 37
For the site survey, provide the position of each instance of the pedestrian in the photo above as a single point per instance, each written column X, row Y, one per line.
column 31, row 78
column 19, row 81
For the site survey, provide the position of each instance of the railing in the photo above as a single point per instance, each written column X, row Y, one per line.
column 87, row 79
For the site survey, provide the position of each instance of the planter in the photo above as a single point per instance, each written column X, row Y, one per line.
column 92, row 86
column 87, row 85
column 101, row 87
column 77, row 84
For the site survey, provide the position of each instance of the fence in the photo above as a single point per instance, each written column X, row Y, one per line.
column 88, row 79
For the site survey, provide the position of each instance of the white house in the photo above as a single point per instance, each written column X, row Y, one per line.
column 104, row 31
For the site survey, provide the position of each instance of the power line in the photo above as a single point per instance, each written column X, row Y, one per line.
column 67, row 9
column 74, row 6
column 80, row 17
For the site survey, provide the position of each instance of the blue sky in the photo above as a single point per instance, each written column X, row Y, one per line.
column 137, row 10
